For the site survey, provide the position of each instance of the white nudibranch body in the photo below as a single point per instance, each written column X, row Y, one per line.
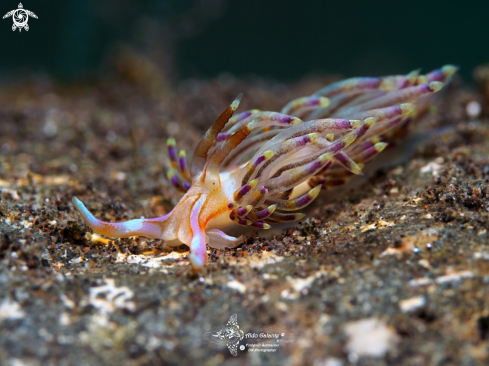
column 255, row 168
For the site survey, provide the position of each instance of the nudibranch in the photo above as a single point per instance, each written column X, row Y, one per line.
column 256, row 168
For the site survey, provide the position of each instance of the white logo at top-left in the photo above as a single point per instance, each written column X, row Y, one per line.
column 20, row 17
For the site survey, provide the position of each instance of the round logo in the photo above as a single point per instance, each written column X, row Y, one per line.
column 20, row 17
column 242, row 347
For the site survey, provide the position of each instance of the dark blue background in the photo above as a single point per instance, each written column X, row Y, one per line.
column 280, row 39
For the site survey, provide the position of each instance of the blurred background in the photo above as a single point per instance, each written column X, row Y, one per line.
column 277, row 39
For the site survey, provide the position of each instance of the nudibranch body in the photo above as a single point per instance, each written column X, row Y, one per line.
column 256, row 168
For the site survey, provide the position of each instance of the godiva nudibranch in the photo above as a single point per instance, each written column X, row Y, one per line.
column 256, row 168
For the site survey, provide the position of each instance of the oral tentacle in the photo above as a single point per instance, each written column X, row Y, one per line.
column 150, row 228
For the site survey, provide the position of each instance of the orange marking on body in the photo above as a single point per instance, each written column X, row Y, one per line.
column 212, row 210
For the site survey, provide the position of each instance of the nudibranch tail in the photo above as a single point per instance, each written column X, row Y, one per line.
column 255, row 168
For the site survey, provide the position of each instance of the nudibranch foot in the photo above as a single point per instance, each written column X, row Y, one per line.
column 254, row 168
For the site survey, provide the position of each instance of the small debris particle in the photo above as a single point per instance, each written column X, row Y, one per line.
column 452, row 277
column 424, row 263
column 370, row 337
column 412, row 304
column 10, row 310
column 300, row 285
column 473, row 109
column 115, row 297
column 433, row 167
column 236, row 285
